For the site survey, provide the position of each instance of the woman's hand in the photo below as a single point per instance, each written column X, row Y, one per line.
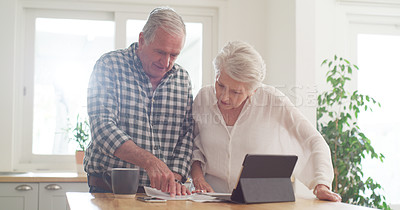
column 199, row 182
column 201, row 186
column 323, row 193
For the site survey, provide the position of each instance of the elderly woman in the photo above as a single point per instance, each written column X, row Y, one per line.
column 240, row 115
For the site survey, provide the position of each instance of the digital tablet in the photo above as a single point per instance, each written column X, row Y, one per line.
column 264, row 178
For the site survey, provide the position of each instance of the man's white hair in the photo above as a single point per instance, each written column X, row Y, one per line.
column 165, row 18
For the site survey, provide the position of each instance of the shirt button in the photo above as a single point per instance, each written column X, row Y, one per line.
column 155, row 147
column 152, row 100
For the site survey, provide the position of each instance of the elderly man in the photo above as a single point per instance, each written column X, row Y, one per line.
column 139, row 105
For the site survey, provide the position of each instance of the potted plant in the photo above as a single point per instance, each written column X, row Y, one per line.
column 81, row 136
column 337, row 115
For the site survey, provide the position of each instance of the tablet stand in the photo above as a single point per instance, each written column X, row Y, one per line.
column 263, row 190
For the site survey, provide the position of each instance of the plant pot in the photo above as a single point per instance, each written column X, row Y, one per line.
column 79, row 155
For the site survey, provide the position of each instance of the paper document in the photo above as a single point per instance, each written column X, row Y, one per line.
column 193, row 197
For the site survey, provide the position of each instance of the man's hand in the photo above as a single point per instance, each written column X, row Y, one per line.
column 161, row 177
column 180, row 188
column 323, row 193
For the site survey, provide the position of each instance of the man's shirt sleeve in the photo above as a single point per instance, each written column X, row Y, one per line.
column 103, row 108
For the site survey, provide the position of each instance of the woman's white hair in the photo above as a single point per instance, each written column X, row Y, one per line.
column 165, row 18
column 242, row 63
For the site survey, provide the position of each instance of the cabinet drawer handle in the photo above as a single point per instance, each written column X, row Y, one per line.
column 23, row 187
column 53, row 187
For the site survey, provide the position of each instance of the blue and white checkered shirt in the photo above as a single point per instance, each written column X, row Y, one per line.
column 122, row 106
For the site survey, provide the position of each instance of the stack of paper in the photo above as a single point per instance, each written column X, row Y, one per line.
column 193, row 197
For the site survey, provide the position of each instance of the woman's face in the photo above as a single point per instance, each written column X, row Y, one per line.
column 230, row 93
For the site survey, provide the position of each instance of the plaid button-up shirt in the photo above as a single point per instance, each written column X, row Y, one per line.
column 122, row 106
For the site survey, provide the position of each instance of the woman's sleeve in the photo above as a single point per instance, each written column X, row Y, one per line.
column 316, row 167
column 198, row 150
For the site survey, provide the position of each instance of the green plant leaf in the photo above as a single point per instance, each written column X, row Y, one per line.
column 349, row 70
column 337, row 115
column 81, row 133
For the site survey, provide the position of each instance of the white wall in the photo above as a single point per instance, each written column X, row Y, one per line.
column 284, row 33
column 269, row 26
column 7, row 64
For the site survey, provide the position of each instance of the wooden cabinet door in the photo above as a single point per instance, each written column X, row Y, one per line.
column 52, row 195
column 19, row 196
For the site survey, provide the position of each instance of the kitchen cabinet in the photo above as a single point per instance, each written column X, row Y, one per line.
column 38, row 196
column 19, row 196
column 52, row 195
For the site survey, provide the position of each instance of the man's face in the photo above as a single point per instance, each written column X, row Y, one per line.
column 159, row 56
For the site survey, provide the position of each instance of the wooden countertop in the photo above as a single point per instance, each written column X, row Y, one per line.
column 43, row 177
column 99, row 201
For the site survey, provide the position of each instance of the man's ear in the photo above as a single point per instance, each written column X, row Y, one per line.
column 141, row 40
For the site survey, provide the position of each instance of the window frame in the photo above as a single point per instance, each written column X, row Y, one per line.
column 27, row 160
column 377, row 22
column 23, row 159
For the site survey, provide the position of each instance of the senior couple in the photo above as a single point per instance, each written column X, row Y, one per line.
column 142, row 114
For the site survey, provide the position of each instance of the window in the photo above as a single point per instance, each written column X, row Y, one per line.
column 371, row 36
column 375, row 47
column 378, row 56
column 65, row 52
column 60, row 49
